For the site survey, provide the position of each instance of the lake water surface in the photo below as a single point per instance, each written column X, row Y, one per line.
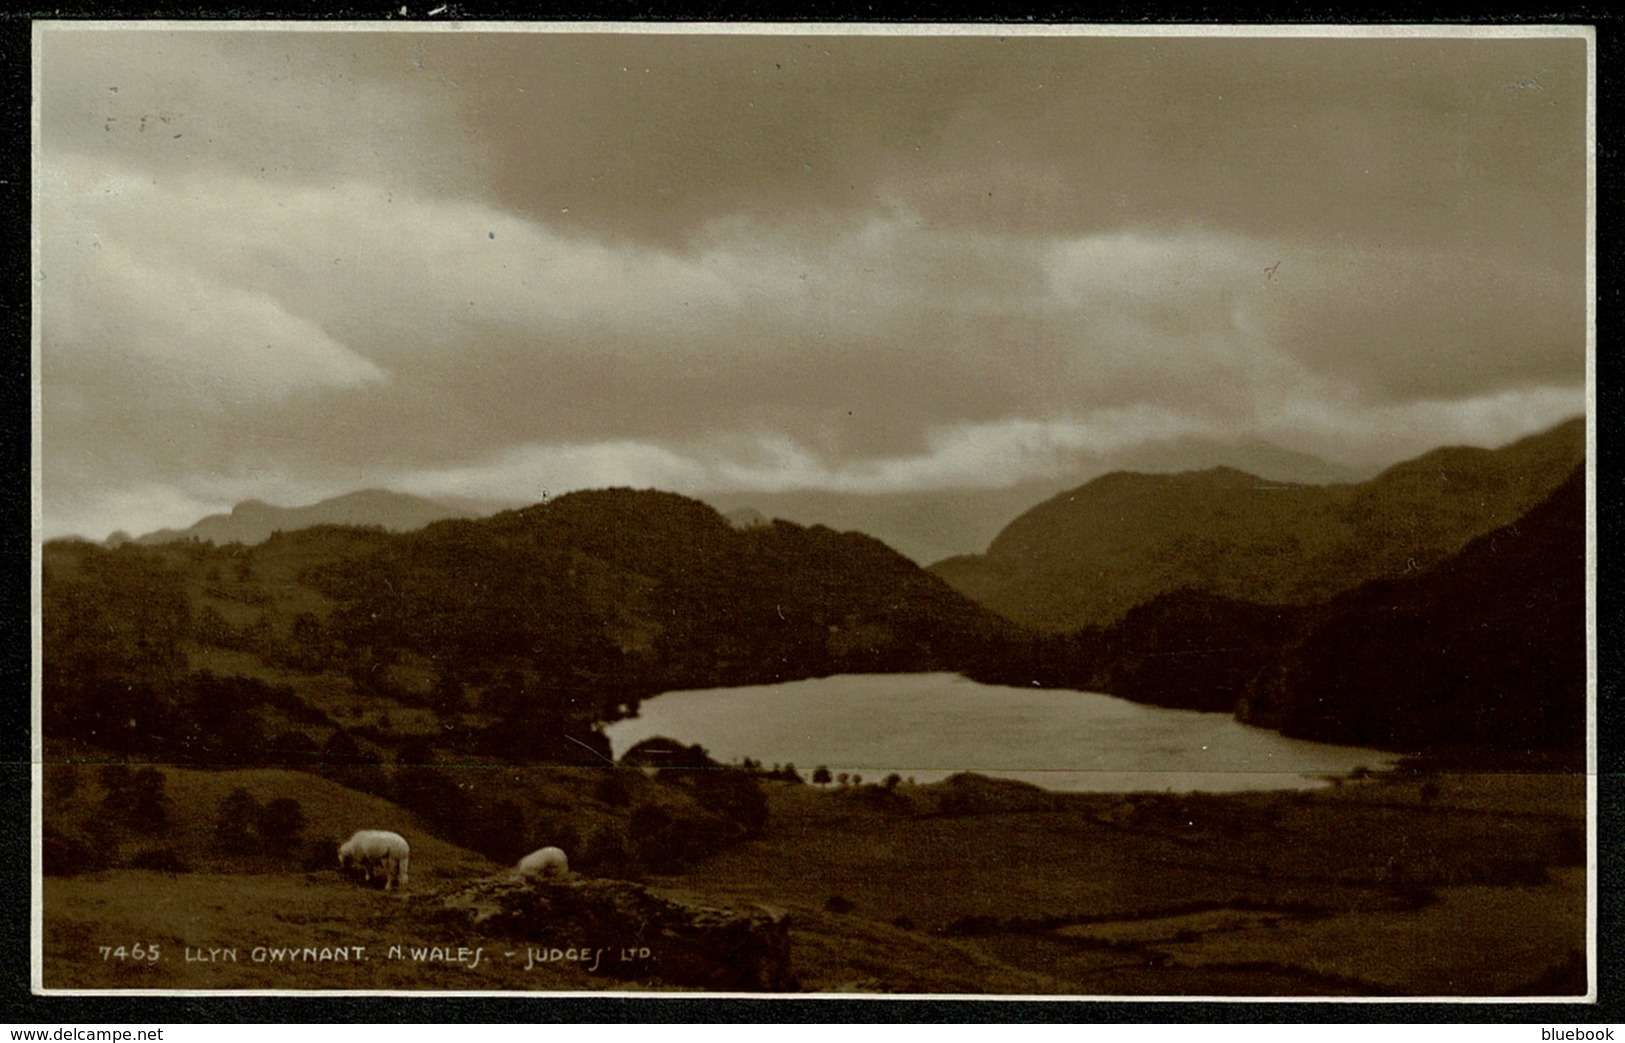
column 930, row 726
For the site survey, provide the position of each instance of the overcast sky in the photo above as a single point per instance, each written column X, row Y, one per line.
column 289, row 264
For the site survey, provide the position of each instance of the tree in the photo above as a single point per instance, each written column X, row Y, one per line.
column 280, row 823
column 111, row 628
column 235, row 824
column 734, row 794
column 821, row 776
column 148, row 805
column 115, row 780
column 211, row 628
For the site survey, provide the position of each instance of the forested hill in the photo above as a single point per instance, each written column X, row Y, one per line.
column 519, row 632
column 661, row 585
column 1088, row 556
column 1488, row 648
column 1485, row 649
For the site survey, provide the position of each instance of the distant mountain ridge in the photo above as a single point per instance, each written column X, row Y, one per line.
column 930, row 525
column 253, row 521
column 1086, row 557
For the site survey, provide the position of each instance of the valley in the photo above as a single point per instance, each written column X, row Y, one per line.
column 219, row 716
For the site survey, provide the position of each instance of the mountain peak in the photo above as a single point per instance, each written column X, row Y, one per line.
column 253, row 521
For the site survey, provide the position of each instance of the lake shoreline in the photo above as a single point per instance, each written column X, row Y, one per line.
column 933, row 725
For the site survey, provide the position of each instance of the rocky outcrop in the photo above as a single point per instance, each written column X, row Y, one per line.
column 642, row 935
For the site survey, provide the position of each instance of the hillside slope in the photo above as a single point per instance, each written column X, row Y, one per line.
column 1485, row 649
column 512, row 637
column 1086, row 557
column 1488, row 648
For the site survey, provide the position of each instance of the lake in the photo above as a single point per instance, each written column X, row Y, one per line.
column 930, row 726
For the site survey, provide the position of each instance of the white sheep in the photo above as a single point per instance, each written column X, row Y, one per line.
column 547, row 861
column 374, row 852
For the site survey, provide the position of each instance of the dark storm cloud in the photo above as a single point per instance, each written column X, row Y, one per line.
column 654, row 136
column 288, row 263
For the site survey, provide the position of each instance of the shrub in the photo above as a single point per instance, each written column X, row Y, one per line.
column 839, row 904
column 735, row 795
column 612, row 789
column 147, row 803
column 64, row 854
column 662, row 843
column 604, row 852
column 160, row 859
column 279, row 824
column 661, row 752
column 322, row 853
column 115, row 779
column 234, row 827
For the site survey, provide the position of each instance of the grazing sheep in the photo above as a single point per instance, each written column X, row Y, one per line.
column 372, row 853
column 547, row 861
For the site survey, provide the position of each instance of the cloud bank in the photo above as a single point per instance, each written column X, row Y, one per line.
column 289, row 264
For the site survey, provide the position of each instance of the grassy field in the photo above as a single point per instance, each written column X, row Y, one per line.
column 1388, row 885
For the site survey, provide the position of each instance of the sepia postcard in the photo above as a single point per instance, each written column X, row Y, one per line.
column 793, row 510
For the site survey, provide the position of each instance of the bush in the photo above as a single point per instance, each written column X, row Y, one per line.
column 115, row 779
column 280, row 823
column 604, row 852
column 160, row 859
column 663, row 843
column 64, row 854
column 735, row 795
column 553, row 833
column 661, row 752
column 148, row 805
column 322, row 853
column 613, row 790
column 235, row 826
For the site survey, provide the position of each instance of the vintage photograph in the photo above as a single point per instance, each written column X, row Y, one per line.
column 966, row 510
